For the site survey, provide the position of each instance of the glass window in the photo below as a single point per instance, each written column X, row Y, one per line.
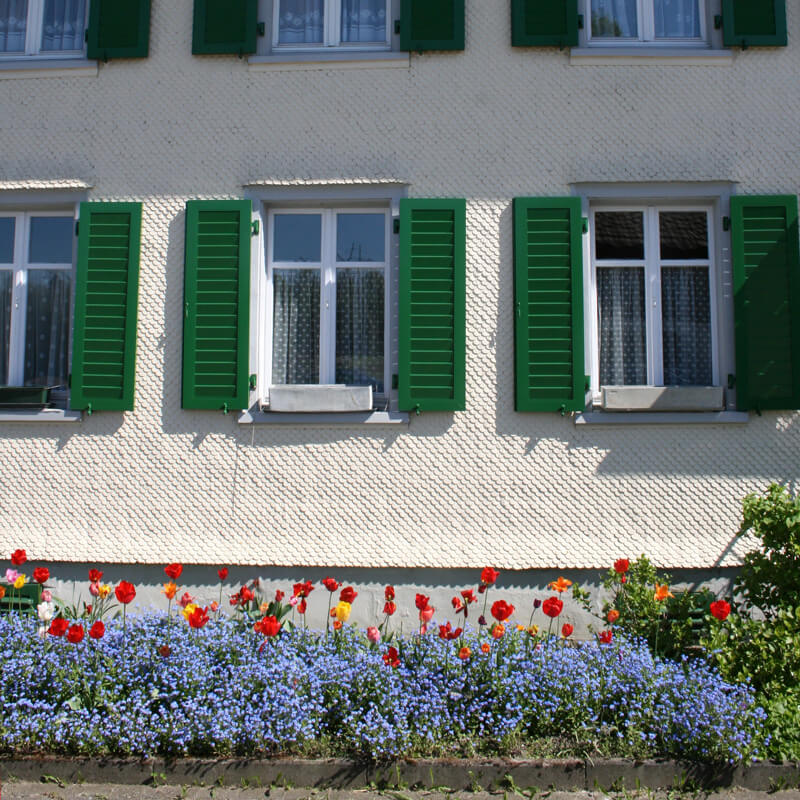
column 314, row 23
column 327, row 279
column 647, row 20
column 42, row 27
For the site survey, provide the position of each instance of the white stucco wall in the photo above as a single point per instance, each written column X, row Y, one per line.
column 484, row 486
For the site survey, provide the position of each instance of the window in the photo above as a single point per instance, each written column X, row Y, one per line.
column 654, row 290
column 300, row 24
column 42, row 27
column 647, row 21
column 36, row 256
column 326, row 297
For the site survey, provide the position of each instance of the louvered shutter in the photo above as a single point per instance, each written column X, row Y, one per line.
column 225, row 26
column 754, row 23
column 432, row 25
column 544, row 23
column 548, row 285
column 432, row 305
column 216, row 327
column 106, row 298
column 766, row 277
column 118, row 29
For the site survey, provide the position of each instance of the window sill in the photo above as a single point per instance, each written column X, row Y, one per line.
column 45, row 415
column 650, row 56
column 256, row 417
column 661, row 418
column 339, row 60
column 47, row 68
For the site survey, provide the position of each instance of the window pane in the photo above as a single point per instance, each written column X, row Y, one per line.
column 614, row 18
column 13, row 23
column 301, row 21
column 619, row 234
column 677, row 19
column 7, row 226
column 295, row 327
column 63, row 26
column 298, row 237
column 6, row 283
column 684, row 234
column 47, row 327
column 623, row 338
column 359, row 327
column 360, row 237
column 51, row 240
column 686, row 323
column 363, row 20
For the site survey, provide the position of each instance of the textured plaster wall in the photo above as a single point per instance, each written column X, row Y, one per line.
column 450, row 490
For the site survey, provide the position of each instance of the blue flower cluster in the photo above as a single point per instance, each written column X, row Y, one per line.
column 225, row 690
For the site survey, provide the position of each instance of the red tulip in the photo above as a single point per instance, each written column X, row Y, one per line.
column 125, row 592
column 392, row 658
column 552, row 606
column 388, row 593
column 18, row 558
column 279, row 595
column 58, row 627
column 469, row 596
column 185, row 600
column 720, row 610
column 566, row 630
column 447, row 632
column 41, row 574
column 389, row 608
column 422, row 601
column 621, row 565
column 302, row 606
column 223, row 573
column 245, row 595
column 268, row 626
column 75, row 634
column 95, row 576
column 173, row 571
column 330, row 584
column 605, row 636
column 97, row 631
column 198, row 617
column 489, row 576
column 348, row 594
column 501, row 610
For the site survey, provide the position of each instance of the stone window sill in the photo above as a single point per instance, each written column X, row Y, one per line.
column 47, row 68
column 45, row 415
column 258, row 417
column 318, row 61
column 650, row 56
column 661, row 418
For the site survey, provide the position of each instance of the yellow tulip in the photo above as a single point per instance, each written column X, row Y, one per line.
column 189, row 610
column 20, row 582
column 342, row 611
column 104, row 590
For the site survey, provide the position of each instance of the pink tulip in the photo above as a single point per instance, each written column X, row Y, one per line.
column 94, row 589
column 373, row 634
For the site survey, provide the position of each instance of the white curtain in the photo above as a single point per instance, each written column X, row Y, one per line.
column 6, row 283
column 623, row 332
column 301, row 21
column 295, row 327
column 614, row 19
column 363, row 20
column 64, row 23
column 13, row 24
column 677, row 19
column 47, row 327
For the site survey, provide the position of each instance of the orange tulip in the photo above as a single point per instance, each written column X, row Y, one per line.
column 169, row 590
column 662, row 593
column 561, row 585
column 612, row 616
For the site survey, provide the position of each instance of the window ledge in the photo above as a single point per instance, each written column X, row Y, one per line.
column 339, row 60
column 47, row 68
column 256, row 417
column 661, row 418
column 650, row 56
column 45, row 415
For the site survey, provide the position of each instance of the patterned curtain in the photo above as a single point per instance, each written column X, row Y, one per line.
column 13, row 23
column 686, row 324
column 614, row 19
column 359, row 327
column 47, row 327
column 295, row 327
column 64, row 23
column 363, row 20
column 623, row 333
column 677, row 19
column 301, row 21
column 6, row 284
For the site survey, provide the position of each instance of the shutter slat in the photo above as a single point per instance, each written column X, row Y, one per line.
column 118, row 29
column 224, row 26
column 217, row 304
column 766, row 272
column 104, row 350
column 549, row 293
column 432, row 305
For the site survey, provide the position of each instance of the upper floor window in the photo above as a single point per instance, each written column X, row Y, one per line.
column 331, row 23
column 632, row 21
column 42, row 27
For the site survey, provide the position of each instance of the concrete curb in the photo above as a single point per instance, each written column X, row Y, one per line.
column 473, row 774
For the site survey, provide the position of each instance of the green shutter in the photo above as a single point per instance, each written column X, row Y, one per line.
column 432, row 25
column 766, row 281
column 216, row 322
column 106, row 298
column 118, row 29
column 548, row 289
column 225, row 26
column 26, row 598
column 432, row 305
column 544, row 23
column 754, row 23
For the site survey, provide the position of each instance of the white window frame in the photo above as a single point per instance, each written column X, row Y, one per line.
column 327, row 267
column 645, row 16
column 33, row 36
column 652, row 264
column 19, row 297
column 332, row 32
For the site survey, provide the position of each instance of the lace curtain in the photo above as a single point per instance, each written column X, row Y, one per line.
column 47, row 327
column 674, row 19
column 295, row 328
column 301, row 21
column 677, row 19
column 623, row 332
column 614, row 18
column 63, row 25
column 359, row 327
column 13, row 23
column 6, row 283
column 363, row 20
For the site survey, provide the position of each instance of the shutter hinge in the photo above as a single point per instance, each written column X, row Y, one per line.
column 77, row 226
column 580, row 22
column 397, row 27
column 563, row 409
column 717, row 22
column 261, row 29
column 587, row 383
column 69, row 381
column 519, row 309
column 86, row 35
column 255, row 227
column 253, row 382
column 731, row 380
column 224, row 408
column 186, row 310
column 395, row 381
column 417, row 409
column 726, row 223
column 89, row 409
column 585, row 224
column 396, row 225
